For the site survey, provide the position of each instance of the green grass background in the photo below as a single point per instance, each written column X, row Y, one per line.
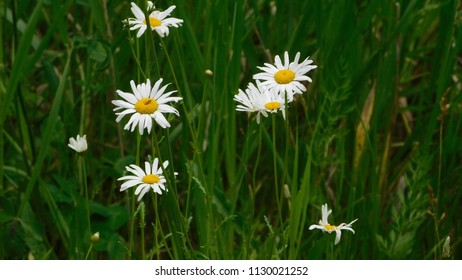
column 377, row 136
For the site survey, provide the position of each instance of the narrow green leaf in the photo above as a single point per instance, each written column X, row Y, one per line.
column 19, row 63
column 52, row 119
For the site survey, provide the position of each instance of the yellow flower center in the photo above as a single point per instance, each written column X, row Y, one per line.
column 146, row 106
column 284, row 76
column 151, row 179
column 272, row 105
column 154, row 22
column 329, row 227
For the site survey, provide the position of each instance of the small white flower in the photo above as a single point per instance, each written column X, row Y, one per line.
column 145, row 104
column 287, row 77
column 260, row 99
column 150, row 178
column 80, row 145
column 158, row 21
column 326, row 227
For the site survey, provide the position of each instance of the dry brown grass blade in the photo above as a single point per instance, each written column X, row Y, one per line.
column 363, row 127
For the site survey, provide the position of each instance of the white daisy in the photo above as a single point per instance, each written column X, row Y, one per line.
column 326, row 227
column 145, row 104
column 287, row 77
column 159, row 21
column 79, row 145
column 260, row 99
column 150, row 178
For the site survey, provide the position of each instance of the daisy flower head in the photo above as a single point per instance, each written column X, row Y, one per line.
column 79, row 145
column 326, row 227
column 257, row 98
column 144, row 104
column 158, row 21
column 287, row 77
column 151, row 178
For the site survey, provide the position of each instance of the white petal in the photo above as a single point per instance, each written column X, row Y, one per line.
column 166, row 13
column 141, row 124
column 155, row 89
column 278, row 63
column 72, row 142
column 130, row 97
column 348, row 228
column 122, row 114
column 129, row 184
column 122, row 104
column 133, row 121
column 317, row 227
column 165, row 164
column 143, row 192
column 135, row 90
column 161, row 120
column 147, row 167
column 137, row 12
column 286, row 60
column 135, row 169
column 129, row 177
column 148, row 124
column 141, row 31
column 163, row 108
column 338, row 235
column 156, row 189
column 297, row 57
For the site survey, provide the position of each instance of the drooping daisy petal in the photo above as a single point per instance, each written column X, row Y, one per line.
column 285, row 77
column 158, row 20
column 144, row 104
column 316, row 227
column 338, row 235
column 151, row 178
column 326, row 227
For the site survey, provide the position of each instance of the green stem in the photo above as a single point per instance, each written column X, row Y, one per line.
column 89, row 251
column 132, row 199
column 301, row 197
column 257, row 160
column 156, row 226
column 173, row 199
column 188, row 121
column 285, row 175
column 134, row 47
column 276, row 180
column 253, row 188
column 142, row 226
column 83, row 179
column 435, row 205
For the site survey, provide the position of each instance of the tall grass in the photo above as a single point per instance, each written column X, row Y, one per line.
column 376, row 136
